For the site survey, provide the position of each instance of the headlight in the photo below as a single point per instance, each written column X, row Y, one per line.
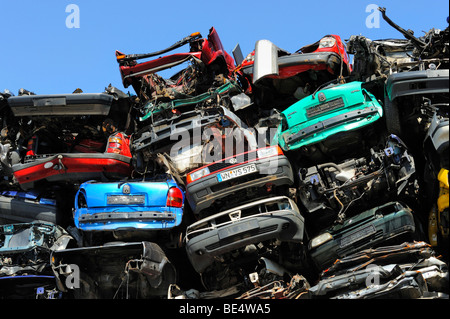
column 197, row 174
column 320, row 240
column 327, row 42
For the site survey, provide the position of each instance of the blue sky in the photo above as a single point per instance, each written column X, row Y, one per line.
column 41, row 54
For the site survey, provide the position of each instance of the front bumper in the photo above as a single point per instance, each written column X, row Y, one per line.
column 369, row 229
column 202, row 250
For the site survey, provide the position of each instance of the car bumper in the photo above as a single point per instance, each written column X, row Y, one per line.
column 72, row 167
column 112, row 219
column 416, row 83
column 203, row 249
column 306, row 133
column 367, row 232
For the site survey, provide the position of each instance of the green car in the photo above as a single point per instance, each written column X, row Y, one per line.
column 329, row 111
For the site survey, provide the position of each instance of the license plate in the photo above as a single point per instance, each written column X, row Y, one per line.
column 240, row 171
column 358, row 235
column 125, row 200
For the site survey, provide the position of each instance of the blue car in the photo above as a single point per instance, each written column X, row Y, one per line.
column 152, row 204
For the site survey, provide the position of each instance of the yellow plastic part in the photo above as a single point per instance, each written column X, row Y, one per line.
column 443, row 199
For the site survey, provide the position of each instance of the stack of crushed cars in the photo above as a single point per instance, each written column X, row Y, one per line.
column 275, row 176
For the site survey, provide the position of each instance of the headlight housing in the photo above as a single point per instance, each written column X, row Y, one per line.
column 320, row 240
column 327, row 42
column 197, row 174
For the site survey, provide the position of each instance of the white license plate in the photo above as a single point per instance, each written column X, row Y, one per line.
column 240, row 171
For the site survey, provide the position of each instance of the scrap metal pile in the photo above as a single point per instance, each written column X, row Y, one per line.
column 275, row 176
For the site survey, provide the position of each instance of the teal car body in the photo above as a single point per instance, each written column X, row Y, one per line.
column 343, row 107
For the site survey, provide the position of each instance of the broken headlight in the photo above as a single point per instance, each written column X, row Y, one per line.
column 327, row 42
column 197, row 174
column 319, row 240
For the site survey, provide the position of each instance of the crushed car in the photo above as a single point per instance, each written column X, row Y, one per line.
column 332, row 122
column 329, row 191
column 187, row 141
column 209, row 65
column 436, row 157
column 409, row 270
column 392, row 223
column 239, row 178
column 228, row 95
column 60, row 139
column 375, row 60
column 411, row 94
column 280, row 78
column 52, row 143
column 134, row 208
column 302, row 175
column 225, row 247
column 411, row 99
column 115, row 270
column 410, row 75
column 25, row 266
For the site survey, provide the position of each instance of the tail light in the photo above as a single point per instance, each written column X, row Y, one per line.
column 118, row 144
column 174, row 197
column 32, row 145
column 81, row 200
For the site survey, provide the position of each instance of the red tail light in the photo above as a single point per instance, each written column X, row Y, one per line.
column 174, row 197
column 32, row 145
column 118, row 143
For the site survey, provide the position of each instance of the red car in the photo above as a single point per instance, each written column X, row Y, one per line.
column 113, row 163
column 276, row 73
column 66, row 138
column 206, row 55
